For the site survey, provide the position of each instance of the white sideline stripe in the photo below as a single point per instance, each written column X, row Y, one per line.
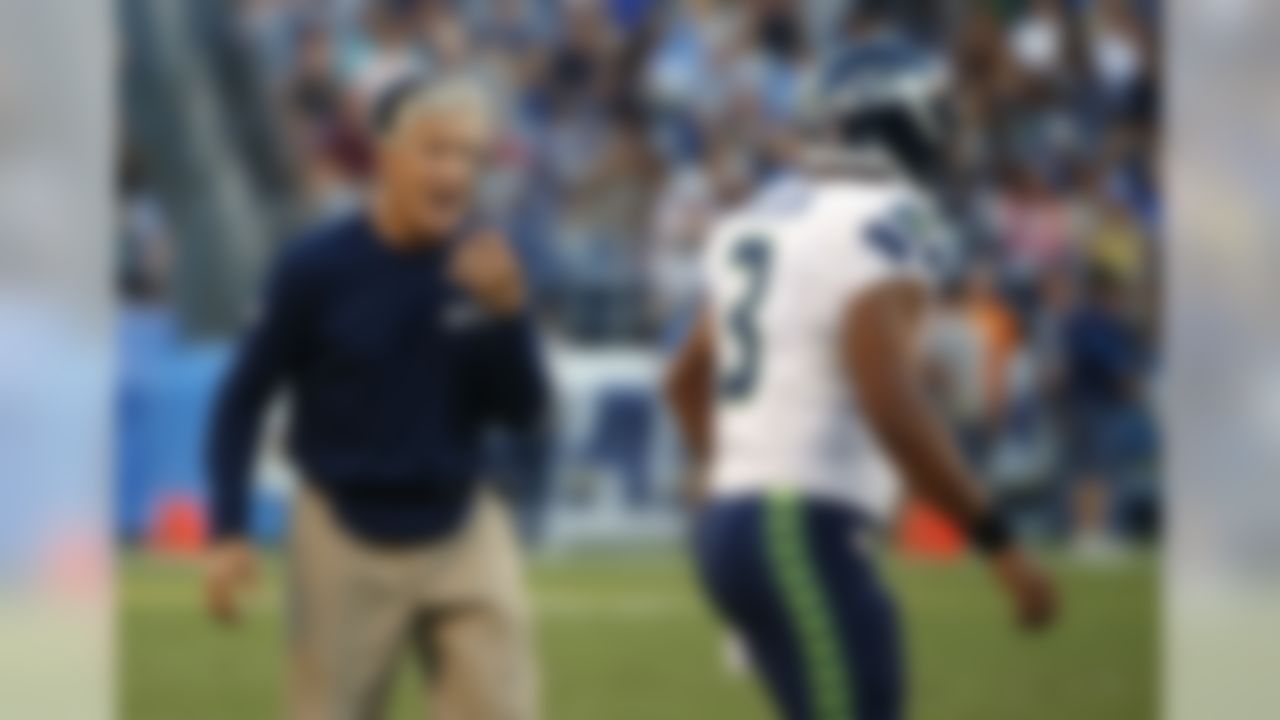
column 559, row 604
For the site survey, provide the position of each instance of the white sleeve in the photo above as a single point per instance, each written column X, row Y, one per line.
column 902, row 238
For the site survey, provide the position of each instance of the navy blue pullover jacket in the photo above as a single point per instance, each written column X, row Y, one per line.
column 394, row 374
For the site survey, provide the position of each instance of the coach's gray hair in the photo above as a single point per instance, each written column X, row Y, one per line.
column 449, row 95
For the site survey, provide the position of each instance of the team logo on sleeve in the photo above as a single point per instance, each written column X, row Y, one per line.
column 909, row 234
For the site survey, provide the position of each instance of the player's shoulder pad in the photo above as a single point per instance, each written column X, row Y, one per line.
column 891, row 220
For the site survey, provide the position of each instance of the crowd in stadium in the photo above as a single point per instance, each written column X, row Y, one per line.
column 632, row 123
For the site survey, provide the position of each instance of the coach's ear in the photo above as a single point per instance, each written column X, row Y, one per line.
column 487, row 268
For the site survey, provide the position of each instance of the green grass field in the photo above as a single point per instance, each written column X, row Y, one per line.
column 628, row 638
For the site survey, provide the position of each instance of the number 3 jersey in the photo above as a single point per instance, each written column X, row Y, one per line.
column 780, row 274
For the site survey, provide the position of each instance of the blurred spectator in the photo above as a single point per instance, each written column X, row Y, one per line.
column 689, row 202
column 1104, row 366
column 389, row 51
column 956, row 353
column 314, row 92
column 1116, row 245
column 1119, row 51
column 996, row 328
column 609, row 209
column 145, row 263
column 634, row 122
column 1032, row 222
column 1038, row 40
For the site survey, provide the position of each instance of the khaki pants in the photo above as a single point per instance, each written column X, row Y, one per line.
column 459, row 602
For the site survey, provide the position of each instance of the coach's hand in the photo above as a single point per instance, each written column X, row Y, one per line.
column 1034, row 597
column 487, row 268
column 232, row 570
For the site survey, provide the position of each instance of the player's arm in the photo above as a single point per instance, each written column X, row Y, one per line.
column 879, row 341
column 688, row 388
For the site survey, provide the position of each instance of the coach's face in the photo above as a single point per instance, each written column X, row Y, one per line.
column 430, row 165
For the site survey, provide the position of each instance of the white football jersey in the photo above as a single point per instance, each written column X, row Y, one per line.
column 780, row 274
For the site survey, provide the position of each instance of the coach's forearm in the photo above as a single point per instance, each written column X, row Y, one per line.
column 260, row 364
column 517, row 379
column 231, row 452
column 233, row 437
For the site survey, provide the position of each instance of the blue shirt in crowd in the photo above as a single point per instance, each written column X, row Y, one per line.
column 394, row 375
column 1103, row 355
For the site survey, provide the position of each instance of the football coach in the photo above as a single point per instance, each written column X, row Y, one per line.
column 401, row 335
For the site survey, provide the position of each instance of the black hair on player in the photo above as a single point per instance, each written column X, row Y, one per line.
column 893, row 129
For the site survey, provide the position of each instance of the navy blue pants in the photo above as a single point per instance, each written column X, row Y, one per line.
column 786, row 573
